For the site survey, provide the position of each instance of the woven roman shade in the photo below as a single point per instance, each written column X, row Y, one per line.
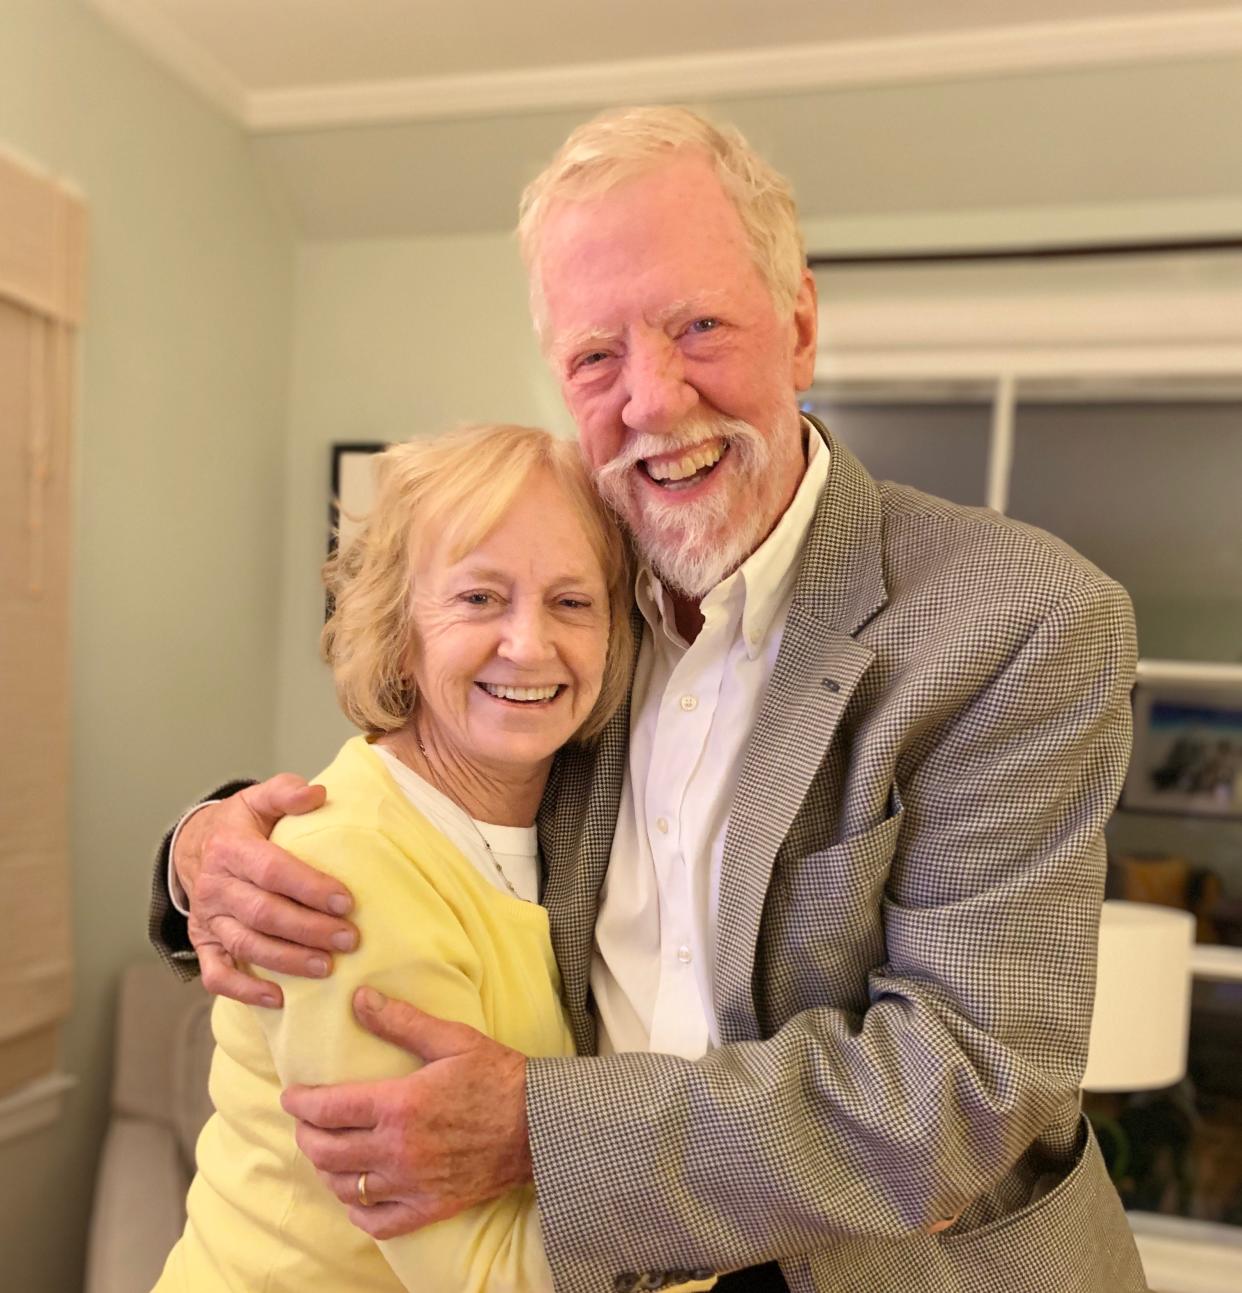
column 42, row 272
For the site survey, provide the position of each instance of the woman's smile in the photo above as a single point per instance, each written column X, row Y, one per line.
column 523, row 696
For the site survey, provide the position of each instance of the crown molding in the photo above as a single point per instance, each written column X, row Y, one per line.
column 149, row 29
column 1208, row 33
column 773, row 70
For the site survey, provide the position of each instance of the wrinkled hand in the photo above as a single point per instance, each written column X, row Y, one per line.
column 251, row 901
column 433, row 1142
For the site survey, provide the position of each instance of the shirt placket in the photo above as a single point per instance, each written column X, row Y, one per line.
column 679, row 1023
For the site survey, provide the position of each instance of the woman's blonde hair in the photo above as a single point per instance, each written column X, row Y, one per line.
column 456, row 488
column 617, row 145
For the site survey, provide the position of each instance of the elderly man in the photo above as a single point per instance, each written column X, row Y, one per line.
column 825, row 895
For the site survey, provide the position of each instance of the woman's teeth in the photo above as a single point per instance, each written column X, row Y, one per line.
column 519, row 693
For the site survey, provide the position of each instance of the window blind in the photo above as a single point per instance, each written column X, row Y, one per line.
column 42, row 264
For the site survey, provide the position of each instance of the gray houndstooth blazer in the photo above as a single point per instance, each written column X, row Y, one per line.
column 907, row 932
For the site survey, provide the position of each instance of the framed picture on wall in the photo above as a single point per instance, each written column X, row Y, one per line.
column 353, row 486
column 1187, row 741
column 352, row 491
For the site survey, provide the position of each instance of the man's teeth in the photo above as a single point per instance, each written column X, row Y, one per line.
column 520, row 693
column 707, row 455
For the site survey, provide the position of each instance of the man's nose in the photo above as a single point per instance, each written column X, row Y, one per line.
column 658, row 395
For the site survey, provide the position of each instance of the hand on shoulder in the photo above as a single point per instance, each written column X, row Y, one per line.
column 250, row 901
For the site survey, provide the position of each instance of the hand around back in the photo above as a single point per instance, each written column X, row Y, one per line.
column 253, row 903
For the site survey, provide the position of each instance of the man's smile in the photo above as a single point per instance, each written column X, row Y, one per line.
column 684, row 468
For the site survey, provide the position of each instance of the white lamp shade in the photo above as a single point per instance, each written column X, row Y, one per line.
column 1142, row 998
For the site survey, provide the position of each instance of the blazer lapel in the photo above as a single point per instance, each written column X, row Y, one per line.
column 840, row 587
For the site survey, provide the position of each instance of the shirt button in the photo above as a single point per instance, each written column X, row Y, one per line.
column 662, row 825
column 689, row 702
column 684, row 955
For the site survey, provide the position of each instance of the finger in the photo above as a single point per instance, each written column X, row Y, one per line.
column 255, row 859
column 347, row 1106
column 345, row 1186
column 222, row 978
column 274, row 954
column 412, row 1029
column 933, row 1229
column 273, row 914
column 345, row 1152
column 281, row 796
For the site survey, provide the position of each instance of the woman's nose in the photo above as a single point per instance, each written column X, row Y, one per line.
column 527, row 639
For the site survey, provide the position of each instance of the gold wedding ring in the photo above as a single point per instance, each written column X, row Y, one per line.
column 362, row 1190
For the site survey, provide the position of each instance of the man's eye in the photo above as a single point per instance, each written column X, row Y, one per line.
column 704, row 325
column 591, row 358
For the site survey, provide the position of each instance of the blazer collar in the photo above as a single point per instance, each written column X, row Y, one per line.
column 841, row 578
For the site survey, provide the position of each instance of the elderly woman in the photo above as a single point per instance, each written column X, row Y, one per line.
column 481, row 621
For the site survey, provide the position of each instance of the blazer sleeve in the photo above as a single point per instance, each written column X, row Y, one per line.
column 166, row 926
column 875, row 1124
column 414, row 947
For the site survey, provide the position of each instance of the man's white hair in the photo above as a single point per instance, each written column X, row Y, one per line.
column 617, row 145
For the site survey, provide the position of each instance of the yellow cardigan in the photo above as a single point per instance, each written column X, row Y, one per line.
column 433, row 932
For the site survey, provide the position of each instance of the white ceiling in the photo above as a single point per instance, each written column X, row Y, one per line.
column 292, row 64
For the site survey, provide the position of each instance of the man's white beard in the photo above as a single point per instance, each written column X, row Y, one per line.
column 692, row 546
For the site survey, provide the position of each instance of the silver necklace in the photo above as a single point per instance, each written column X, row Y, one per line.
column 474, row 826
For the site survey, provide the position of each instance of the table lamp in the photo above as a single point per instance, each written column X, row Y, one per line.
column 1140, row 1027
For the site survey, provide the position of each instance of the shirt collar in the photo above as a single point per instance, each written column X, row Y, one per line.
column 764, row 581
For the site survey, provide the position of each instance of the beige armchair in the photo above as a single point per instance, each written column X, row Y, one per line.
column 159, row 1105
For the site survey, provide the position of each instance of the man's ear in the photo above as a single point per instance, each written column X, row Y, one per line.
column 805, row 325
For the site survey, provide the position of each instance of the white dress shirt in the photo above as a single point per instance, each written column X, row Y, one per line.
column 693, row 709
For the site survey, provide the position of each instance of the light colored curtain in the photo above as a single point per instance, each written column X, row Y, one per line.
column 42, row 272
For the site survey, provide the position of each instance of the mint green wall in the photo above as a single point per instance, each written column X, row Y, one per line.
column 179, row 493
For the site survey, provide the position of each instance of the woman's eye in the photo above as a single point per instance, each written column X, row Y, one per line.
column 575, row 603
column 477, row 599
column 704, row 325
